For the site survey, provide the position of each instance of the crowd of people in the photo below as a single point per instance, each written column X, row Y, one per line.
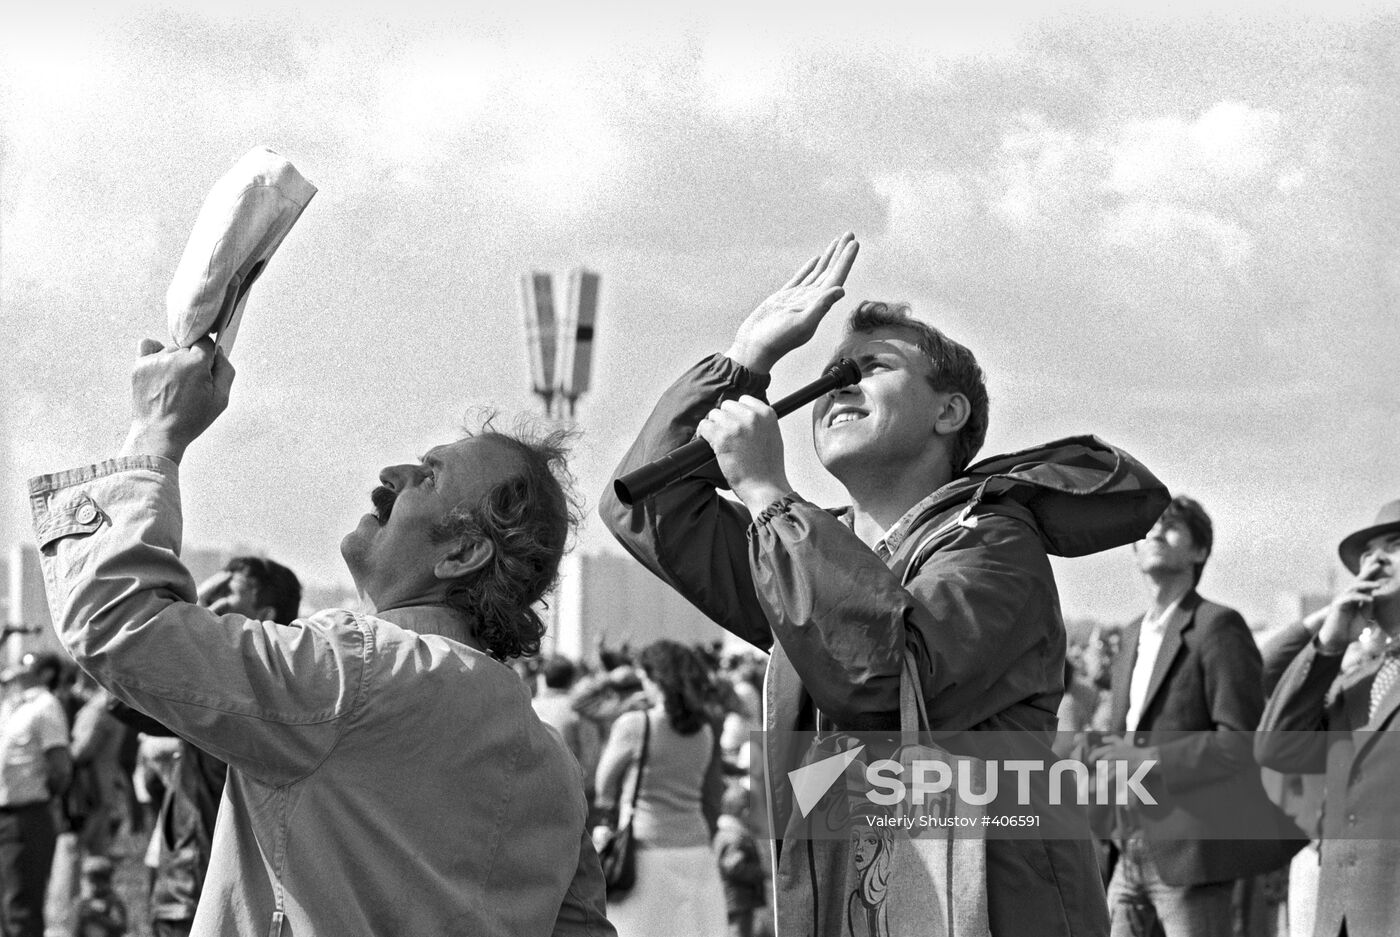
column 413, row 769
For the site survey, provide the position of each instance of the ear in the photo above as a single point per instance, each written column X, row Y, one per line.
column 468, row 557
column 952, row 414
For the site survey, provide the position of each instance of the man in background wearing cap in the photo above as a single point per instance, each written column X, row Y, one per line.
column 35, row 767
column 1345, row 734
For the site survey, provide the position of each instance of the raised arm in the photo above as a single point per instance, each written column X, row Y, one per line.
column 266, row 698
column 689, row 535
column 1292, row 734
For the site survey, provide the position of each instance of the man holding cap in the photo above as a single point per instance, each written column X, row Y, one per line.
column 1307, row 729
column 387, row 773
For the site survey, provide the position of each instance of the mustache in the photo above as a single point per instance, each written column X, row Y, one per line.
column 383, row 500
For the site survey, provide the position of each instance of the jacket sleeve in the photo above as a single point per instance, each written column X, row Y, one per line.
column 689, row 535
column 1292, row 735
column 1280, row 650
column 92, row 733
column 269, row 699
column 981, row 615
column 1230, row 669
column 584, row 911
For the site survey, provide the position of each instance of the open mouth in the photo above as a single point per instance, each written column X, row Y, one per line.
column 383, row 500
column 846, row 416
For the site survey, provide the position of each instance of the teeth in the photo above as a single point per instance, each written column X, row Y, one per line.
column 845, row 418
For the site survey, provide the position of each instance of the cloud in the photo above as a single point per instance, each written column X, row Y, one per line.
column 1183, row 250
column 1229, row 149
column 1148, row 228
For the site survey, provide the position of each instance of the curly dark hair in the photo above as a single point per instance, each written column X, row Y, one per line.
column 954, row 368
column 528, row 517
column 686, row 685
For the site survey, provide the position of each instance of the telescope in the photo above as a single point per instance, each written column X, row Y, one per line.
column 643, row 483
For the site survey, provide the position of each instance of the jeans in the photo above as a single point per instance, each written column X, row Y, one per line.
column 27, row 838
column 1137, row 894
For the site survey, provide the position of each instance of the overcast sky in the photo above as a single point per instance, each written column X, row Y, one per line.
column 1176, row 232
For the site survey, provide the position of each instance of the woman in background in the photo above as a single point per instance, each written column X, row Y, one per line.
column 678, row 890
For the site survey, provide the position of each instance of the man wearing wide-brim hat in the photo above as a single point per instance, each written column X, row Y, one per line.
column 1346, row 734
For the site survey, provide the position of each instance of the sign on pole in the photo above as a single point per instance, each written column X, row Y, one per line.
column 574, row 364
column 537, row 301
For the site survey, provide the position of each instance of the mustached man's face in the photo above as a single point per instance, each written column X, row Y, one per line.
column 391, row 552
column 1380, row 561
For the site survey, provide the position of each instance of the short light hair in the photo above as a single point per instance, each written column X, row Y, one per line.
column 952, row 369
column 528, row 517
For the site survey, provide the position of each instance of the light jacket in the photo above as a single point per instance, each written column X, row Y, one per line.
column 383, row 779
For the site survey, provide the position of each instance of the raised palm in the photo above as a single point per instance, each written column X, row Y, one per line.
column 789, row 318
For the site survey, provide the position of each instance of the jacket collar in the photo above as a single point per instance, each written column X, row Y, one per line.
column 442, row 620
column 1083, row 494
column 1179, row 621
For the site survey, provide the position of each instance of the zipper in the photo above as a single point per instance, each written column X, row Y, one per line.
column 965, row 518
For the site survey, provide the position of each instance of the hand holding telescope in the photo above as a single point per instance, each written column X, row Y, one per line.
column 645, row 482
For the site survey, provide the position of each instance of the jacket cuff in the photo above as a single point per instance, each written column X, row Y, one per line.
column 743, row 380
column 779, row 506
column 61, row 504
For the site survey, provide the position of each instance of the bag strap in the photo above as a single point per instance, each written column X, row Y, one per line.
column 641, row 764
column 913, row 713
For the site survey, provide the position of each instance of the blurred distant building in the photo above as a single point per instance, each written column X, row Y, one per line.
column 27, row 618
column 611, row 596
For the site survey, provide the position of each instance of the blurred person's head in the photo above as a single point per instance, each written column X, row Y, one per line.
column 735, row 801
column 478, row 525
column 558, row 672
column 613, row 658
column 1178, row 543
column 45, row 669
column 1099, row 652
column 677, row 675
column 258, row 588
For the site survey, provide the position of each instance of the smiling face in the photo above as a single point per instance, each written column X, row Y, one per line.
column 887, row 421
column 391, row 553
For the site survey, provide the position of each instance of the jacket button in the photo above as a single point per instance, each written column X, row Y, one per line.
column 1140, row 740
column 1351, row 819
column 86, row 514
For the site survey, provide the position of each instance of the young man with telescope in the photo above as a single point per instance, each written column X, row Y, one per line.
column 930, row 556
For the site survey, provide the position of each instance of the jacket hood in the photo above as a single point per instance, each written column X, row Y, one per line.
column 1083, row 494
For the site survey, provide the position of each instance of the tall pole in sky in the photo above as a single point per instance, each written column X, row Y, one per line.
column 559, row 346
